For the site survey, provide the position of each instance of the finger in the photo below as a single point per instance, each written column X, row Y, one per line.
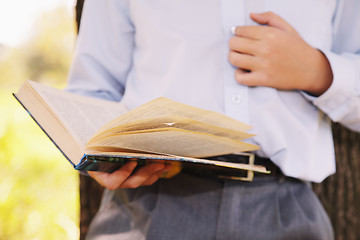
column 139, row 177
column 113, row 180
column 243, row 45
column 243, row 61
column 273, row 20
column 153, row 178
column 252, row 32
column 251, row 79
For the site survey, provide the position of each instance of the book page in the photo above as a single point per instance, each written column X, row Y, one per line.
column 173, row 141
column 163, row 107
column 174, row 121
column 81, row 115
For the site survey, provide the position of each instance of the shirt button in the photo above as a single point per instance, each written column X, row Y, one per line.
column 236, row 98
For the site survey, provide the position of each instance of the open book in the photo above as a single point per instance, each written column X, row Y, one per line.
column 99, row 135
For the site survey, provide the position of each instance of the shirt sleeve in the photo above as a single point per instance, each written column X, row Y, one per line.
column 103, row 54
column 341, row 102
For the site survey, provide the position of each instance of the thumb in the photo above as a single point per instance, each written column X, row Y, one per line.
column 273, row 20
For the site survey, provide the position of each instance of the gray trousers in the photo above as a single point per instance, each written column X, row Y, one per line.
column 188, row 207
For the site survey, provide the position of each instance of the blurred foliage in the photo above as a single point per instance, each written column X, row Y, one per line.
column 39, row 196
column 46, row 55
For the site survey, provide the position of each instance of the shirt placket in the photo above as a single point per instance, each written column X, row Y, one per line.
column 236, row 95
column 236, row 13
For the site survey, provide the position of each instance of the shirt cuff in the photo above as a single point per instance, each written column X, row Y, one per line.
column 341, row 89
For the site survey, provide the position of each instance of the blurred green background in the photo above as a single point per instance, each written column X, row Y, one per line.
column 39, row 196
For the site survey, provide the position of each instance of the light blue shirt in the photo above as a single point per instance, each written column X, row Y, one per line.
column 137, row 50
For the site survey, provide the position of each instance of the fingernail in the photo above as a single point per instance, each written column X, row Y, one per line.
column 159, row 168
column 165, row 169
column 232, row 30
column 132, row 164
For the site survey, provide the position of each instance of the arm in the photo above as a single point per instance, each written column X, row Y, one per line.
column 341, row 101
column 103, row 53
column 101, row 64
column 330, row 78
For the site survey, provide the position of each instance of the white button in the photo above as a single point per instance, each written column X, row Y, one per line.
column 236, row 98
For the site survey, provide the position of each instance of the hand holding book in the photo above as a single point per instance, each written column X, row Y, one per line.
column 125, row 177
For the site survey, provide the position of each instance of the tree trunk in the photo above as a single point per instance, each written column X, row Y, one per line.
column 78, row 11
column 90, row 197
column 340, row 193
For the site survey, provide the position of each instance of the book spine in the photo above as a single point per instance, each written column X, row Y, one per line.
column 101, row 163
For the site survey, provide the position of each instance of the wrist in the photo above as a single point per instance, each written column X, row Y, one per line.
column 321, row 76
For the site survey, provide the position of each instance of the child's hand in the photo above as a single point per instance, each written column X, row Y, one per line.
column 276, row 56
column 125, row 178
